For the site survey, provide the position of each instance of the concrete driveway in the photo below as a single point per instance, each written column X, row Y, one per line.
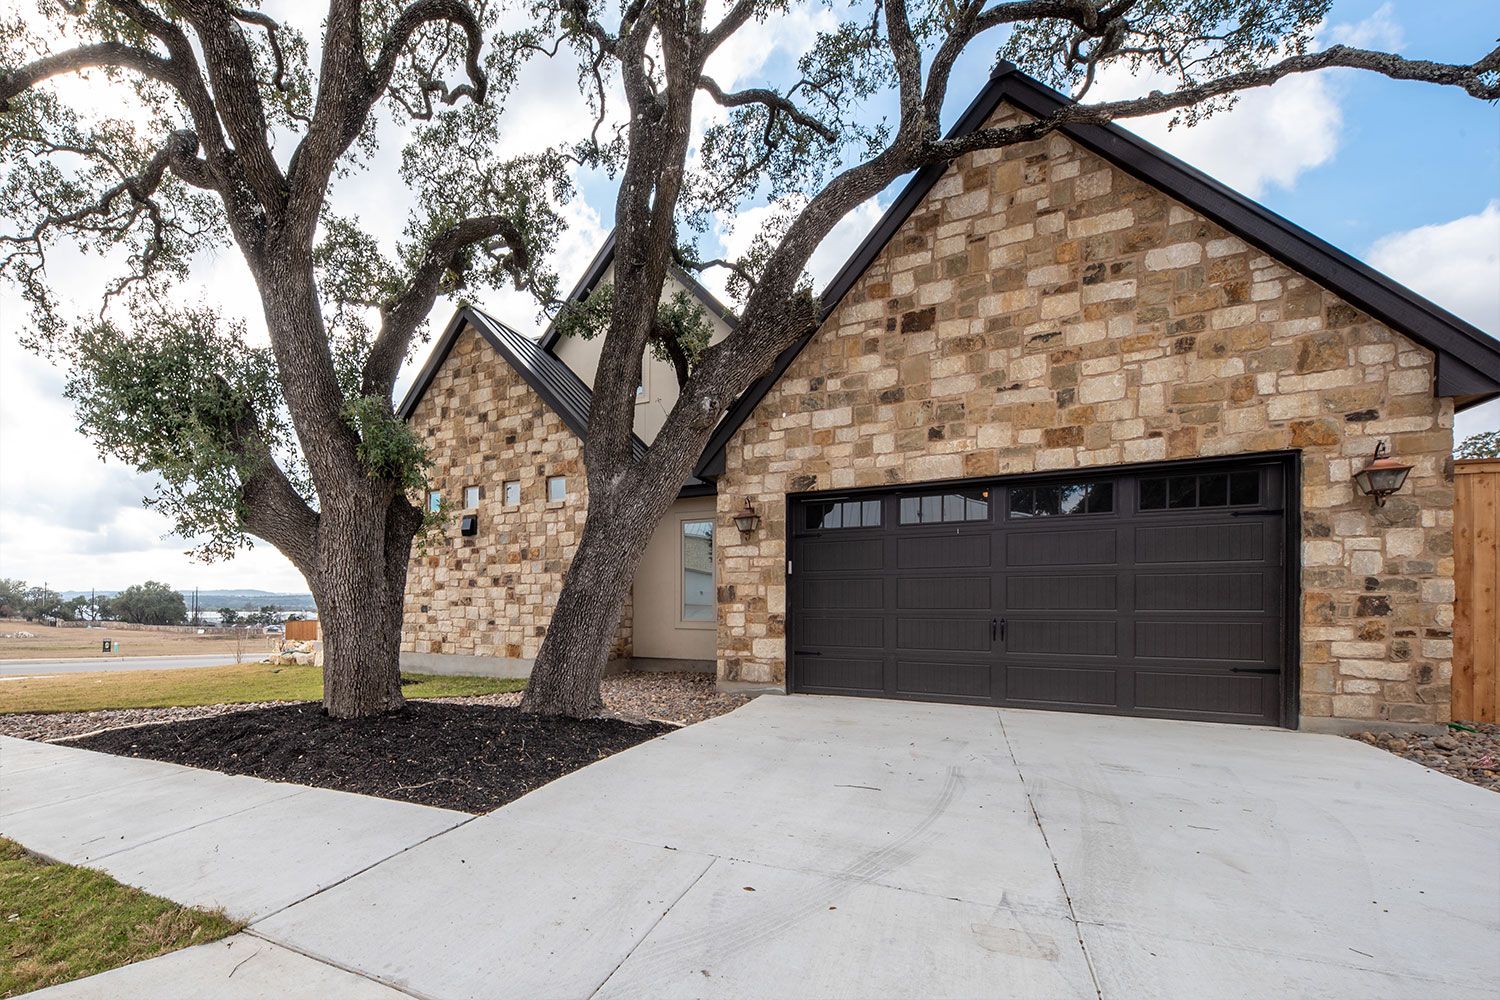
column 820, row 847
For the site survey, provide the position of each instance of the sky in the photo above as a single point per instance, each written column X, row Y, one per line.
column 1401, row 175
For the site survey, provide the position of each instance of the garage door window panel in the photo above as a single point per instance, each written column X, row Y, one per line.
column 834, row 514
column 1206, row 490
column 956, row 506
column 1062, row 499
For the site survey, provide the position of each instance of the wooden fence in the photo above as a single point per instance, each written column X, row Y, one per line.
column 1476, row 572
column 306, row 631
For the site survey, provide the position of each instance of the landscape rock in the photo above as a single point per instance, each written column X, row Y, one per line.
column 1472, row 756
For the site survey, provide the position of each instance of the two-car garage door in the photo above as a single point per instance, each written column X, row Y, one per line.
column 1157, row 593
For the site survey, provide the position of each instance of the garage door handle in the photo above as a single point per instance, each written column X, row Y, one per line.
column 997, row 629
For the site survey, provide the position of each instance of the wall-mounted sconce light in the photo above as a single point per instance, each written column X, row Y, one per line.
column 1382, row 477
column 746, row 519
column 469, row 525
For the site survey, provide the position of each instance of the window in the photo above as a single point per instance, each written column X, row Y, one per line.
column 697, row 571
column 1210, row 489
column 843, row 514
column 471, row 497
column 512, row 493
column 1062, row 499
column 434, row 502
column 943, row 508
column 557, row 488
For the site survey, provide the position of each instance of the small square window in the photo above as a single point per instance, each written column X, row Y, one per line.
column 512, row 493
column 471, row 497
column 434, row 502
column 557, row 488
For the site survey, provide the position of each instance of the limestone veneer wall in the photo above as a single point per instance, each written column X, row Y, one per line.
column 492, row 594
column 1044, row 310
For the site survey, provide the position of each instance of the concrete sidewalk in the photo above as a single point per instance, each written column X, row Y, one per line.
column 827, row 847
column 199, row 837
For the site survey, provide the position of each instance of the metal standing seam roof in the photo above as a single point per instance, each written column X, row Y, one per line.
column 1468, row 359
column 557, row 384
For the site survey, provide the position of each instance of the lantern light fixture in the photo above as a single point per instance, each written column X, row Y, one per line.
column 746, row 519
column 1382, row 477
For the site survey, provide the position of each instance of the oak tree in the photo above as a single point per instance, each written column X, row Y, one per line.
column 234, row 129
column 208, row 124
column 811, row 146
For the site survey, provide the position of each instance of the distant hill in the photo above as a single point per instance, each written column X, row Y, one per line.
column 240, row 600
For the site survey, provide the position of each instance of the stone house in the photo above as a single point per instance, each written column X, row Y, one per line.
column 1078, row 431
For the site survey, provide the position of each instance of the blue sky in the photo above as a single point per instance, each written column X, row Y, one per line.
column 1404, row 175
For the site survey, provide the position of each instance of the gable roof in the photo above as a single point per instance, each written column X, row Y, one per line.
column 596, row 271
column 557, row 384
column 1467, row 359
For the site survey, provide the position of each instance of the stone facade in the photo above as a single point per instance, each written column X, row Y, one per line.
column 1045, row 310
column 492, row 594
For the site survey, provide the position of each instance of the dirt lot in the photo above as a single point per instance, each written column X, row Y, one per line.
column 57, row 643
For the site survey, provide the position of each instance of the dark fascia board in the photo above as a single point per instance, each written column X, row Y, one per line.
column 1468, row 360
column 469, row 316
column 600, row 264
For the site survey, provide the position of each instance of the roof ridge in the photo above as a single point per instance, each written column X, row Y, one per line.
column 1468, row 359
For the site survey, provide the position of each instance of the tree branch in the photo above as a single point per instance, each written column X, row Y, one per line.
column 273, row 509
column 1478, row 79
column 104, row 55
column 770, row 99
column 401, row 316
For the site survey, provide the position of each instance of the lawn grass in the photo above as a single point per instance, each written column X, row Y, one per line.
column 58, row 922
column 228, row 685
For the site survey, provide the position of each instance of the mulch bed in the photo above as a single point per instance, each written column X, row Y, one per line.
column 472, row 758
column 1469, row 756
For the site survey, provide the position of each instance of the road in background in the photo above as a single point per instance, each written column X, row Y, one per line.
column 35, row 668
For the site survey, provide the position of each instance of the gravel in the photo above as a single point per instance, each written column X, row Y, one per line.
column 1469, row 756
column 62, row 725
column 678, row 698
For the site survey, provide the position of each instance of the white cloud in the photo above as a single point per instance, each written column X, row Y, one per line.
column 1378, row 31
column 1272, row 135
column 1455, row 264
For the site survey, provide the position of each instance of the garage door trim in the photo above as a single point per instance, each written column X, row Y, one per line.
column 1289, row 467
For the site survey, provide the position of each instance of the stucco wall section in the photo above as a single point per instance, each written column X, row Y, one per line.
column 658, row 378
column 1044, row 310
column 492, row 594
column 659, row 631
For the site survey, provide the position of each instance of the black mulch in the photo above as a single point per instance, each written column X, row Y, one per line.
column 472, row 758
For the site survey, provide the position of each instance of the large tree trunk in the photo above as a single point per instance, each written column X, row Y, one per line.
column 570, row 664
column 365, row 544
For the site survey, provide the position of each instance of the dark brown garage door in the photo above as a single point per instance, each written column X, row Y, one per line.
column 1157, row 593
